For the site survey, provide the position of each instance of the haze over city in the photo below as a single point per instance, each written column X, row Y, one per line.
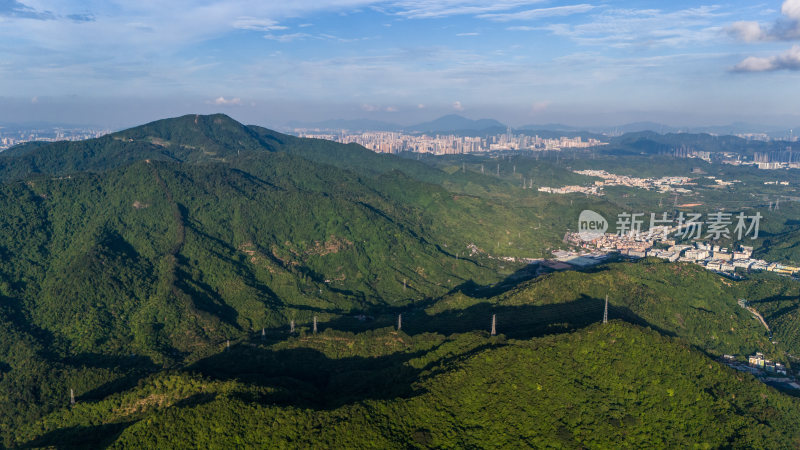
column 116, row 64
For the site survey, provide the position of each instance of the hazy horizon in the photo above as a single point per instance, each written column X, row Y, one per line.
column 116, row 120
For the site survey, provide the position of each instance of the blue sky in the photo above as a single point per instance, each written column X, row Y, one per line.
column 117, row 63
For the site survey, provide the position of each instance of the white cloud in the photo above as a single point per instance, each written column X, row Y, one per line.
column 458, row 106
column 222, row 101
column 421, row 106
column 468, row 34
column 540, row 13
column 747, row 31
column 786, row 28
column 754, row 64
column 288, row 37
column 791, row 9
column 35, row 100
column 331, row 37
column 622, row 28
column 391, row 109
column 442, row 8
column 789, row 60
column 130, row 28
column 252, row 23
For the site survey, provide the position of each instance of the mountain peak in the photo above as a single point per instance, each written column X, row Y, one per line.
column 213, row 134
column 196, row 123
column 455, row 122
column 191, row 138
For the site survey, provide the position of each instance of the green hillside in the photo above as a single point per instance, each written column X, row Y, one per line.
column 225, row 250
column 189, row 138
column 604, row 386
column 678, row 299
column 681, row 300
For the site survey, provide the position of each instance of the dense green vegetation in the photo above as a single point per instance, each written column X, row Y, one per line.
column 606, row 385
column 677, row 299
column 127, row 263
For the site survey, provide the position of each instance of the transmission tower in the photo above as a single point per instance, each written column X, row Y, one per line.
column 494, row 324
column 605, row 311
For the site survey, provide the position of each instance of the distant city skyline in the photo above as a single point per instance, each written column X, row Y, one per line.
column 585, row 63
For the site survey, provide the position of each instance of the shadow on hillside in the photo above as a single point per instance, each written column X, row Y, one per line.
column 131, row 369
column 12, row 311
column 775, row 314
column 468, row 288
column 308, row 378
column 205, row 298
column 519, row 277
column 98, row 436
column 518, row 322
column 774, row 298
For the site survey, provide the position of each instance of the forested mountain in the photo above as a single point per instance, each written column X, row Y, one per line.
column 130, row 264
column 165, row 240
column 603, row 386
